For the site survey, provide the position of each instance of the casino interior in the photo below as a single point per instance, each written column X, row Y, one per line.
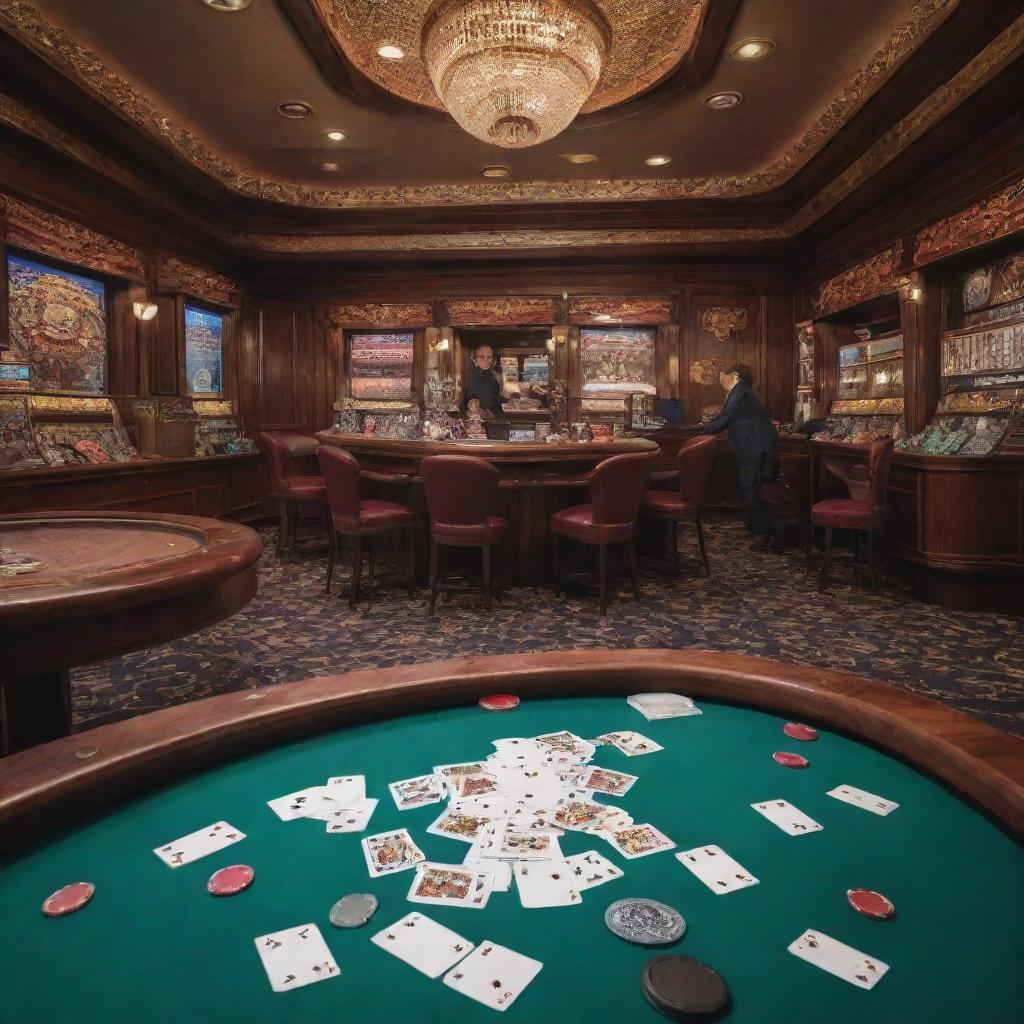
column 359, row 364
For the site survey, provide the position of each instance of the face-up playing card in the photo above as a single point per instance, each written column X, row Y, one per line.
column 656, row 706
column 458, row 825
column 424, row 944
column 478, row 784
column 590, row 869
column 451, row 885
column 632, row 744
column 198, row 844
column 866, row 801
column 604, row 780
column 567, row 747
column 839, row 959
column 716, row 869
column 589, row 816
column 350, row 819
column 448, row 773
column 302, row 804
column 512, row 844
column 346, row 790
column 638, row 840
column 547, row 883
column 493, row 975
column 500, row 869
column 791, row 820
column 296, row 957
column 416, row 792
column 388, row 852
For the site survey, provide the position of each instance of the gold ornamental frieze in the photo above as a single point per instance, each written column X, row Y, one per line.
column 874, row 276
column 585, row 311
column 500, row 312
column 380, row 314
column 198, row 281
column 724, row 322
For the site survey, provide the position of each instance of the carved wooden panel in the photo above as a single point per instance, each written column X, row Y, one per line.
column 379, row 314
column 500, row 312
column 626, row 311
column 877, row 275
column 707, row 356
column 177, row 275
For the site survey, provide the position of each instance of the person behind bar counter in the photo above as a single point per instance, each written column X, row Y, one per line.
column 753, row 441
column 485, row 384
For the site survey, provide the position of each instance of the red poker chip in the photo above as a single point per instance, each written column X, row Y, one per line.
column 789, row 760
column 798, row 731
column 499, row 702
column 230, row 880
column 69, row 899
column 871, row 904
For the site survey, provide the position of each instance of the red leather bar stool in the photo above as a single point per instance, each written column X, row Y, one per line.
column 462, row 501
column 859, row 516
column 616, row 487
column 289, row 491
column 696, row 459
column 355, row 518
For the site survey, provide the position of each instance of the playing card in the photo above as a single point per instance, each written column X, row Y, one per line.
column 547, row 883
column 296, row 957
column 791, row 820
column 346, row 790
column 416, row 792
column 449, row 772
column 839, row 959
column 302, row 804
column 866, row 801
column 500, row 869
column 424, row 944
column 388, row 852
column 656, row 706
column 632, row 744
column 493, row 975
column 638, row 840
column 716, row 869
column 350, row 819
column 451, row 885
column 478, row 784
column 567, row 747
column 590, row 869
column 458, row 825
column 604, row 780
column 514, row 844
column 589, row 816
column 198, row 844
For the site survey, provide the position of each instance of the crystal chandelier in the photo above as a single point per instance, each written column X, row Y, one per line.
column 514, row 73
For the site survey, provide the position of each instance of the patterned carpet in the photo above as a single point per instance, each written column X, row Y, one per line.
column 757, row 603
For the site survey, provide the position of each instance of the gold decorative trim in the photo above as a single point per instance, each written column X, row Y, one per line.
column 46, row 233
column 724, row 321
column 500, row 312
column 874, row 276
column 706, row 371
column 380, row 314
column 1012, row 284
column 586, row 311
column 177, row 275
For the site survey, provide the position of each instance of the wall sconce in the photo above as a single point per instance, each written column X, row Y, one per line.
column 551, row 344
column 144, row 310
column 915, row 294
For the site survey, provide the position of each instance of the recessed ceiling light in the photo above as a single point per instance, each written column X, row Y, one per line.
column 751, row 50
column 336, row 136
column 329, row 167
column 229, row 6
column 602, row 316
column 496, row 171
column 390, row 51
column 579, row 158
column 295, row 109
column 658, row 161
column 723, row 100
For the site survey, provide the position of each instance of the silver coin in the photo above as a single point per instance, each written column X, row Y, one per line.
column 354, row 910
column 645, row 922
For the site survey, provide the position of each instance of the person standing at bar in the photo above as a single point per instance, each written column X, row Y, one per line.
column 753, row 441
column 484, row 383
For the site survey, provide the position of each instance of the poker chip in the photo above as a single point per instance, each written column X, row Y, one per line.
column 499, row 702
column 798, row 731
column 871, row 904
column 683, row 988
column 354, row 910
column 69, row 899
column 230, row 880
column 789, row 760
column 645, row 922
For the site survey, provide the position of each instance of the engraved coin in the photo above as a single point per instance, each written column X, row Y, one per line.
column 354, row 910
column 645, row 922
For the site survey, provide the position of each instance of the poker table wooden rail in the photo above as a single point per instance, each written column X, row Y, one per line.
column 58, row 782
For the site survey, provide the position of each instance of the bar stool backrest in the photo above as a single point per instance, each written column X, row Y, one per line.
column 616, row 487
column 460, row 489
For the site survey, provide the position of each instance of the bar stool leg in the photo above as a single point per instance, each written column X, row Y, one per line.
column 434, row 557
column 487, row 575
column 602, row 571
column 703, row 550
column 631, row 552
column 293, row 527
column 410, row 557
column 332, row 543
column 554, row 563
column 373, row 555
column 282, row 527
column 357, row 570
column 826, row 561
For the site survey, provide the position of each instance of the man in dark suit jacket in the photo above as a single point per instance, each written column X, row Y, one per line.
column 753, row 441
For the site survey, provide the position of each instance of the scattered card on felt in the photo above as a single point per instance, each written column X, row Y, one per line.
column 296, row 957
column 346, row 790
column 866, row 801
column 350, row 819
column 302, row 803
column 451, row 885
column 388, row 852
column 590, row 869
column 716, row 869
column 493, row 975
column 198, row 844
column 790, row 819
column 424, row 944
column 500, row 869
column 632, row 744
column 416, row 792
column 545, row 883
column 604, row 780
column 457, row 825
column 839, row 959
column 656, row 706
column 638, row 840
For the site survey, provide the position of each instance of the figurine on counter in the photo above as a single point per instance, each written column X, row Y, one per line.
column 369, row 425
column 475, row 420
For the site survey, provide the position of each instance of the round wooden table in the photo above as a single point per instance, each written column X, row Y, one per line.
column 111, row 582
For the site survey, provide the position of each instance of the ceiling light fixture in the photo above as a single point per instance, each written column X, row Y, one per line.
column 723, row 101
column 336, row 136
column 496, row 171
column 515, row 73
column 144, row 310
column 390, row 51
column 752, row 50
column 295, row 109
column 579, row 158
column 227, row 6
column 658, row 161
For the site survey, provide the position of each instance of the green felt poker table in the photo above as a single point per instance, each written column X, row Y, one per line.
column 154, row 946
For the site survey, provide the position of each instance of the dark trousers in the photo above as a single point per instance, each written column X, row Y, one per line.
column 752, row 476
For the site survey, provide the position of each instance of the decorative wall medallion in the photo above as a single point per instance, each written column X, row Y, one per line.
column 724, row 321
column 585, row 310
column 500, row 312
column 706, row 371
column 380, row 314
column 177, row 275
column 33, row 229
column 977, row 288
column 874, row 276
column 1011, row 285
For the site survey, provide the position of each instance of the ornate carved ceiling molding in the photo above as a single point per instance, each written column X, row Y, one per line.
column 985, row 221
column 177, row 275
column 51, row 235
column 380, row 314
column 877, row 275
column 585, row 311
column 499, row 312
column 724, row 321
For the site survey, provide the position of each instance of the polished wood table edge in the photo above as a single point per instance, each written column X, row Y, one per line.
column 951, row 562
column 84, row 472
column 54, row 784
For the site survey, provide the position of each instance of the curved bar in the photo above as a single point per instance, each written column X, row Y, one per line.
column 64, row 780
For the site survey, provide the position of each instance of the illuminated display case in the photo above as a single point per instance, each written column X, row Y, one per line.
column 204, row 352
column 70, row 431
column 381, row 365
column 183, row 428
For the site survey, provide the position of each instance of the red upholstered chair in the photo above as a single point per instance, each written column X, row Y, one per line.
column 288, row 491
column 862, row 516
column 696, row 460
column 462, row 501
column 353, row 517
column 616, row 487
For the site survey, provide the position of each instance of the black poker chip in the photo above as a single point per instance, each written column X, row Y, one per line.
column 684, row 989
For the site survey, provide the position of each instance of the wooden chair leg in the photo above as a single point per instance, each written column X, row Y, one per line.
column 357, row 570
column 373, row 555
column 674, row 531
column 703, row 549
column 554, row 563
column 871, row 560
column 282, row 527
column 410, row 557
column 826, row 559
column 631, row 554
column 487, row 575
column 293, row 527
column 602, row 576
column 434, row 558
column 332, row 547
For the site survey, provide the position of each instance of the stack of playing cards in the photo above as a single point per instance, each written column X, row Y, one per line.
column 655, row 706
column 342, row 803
